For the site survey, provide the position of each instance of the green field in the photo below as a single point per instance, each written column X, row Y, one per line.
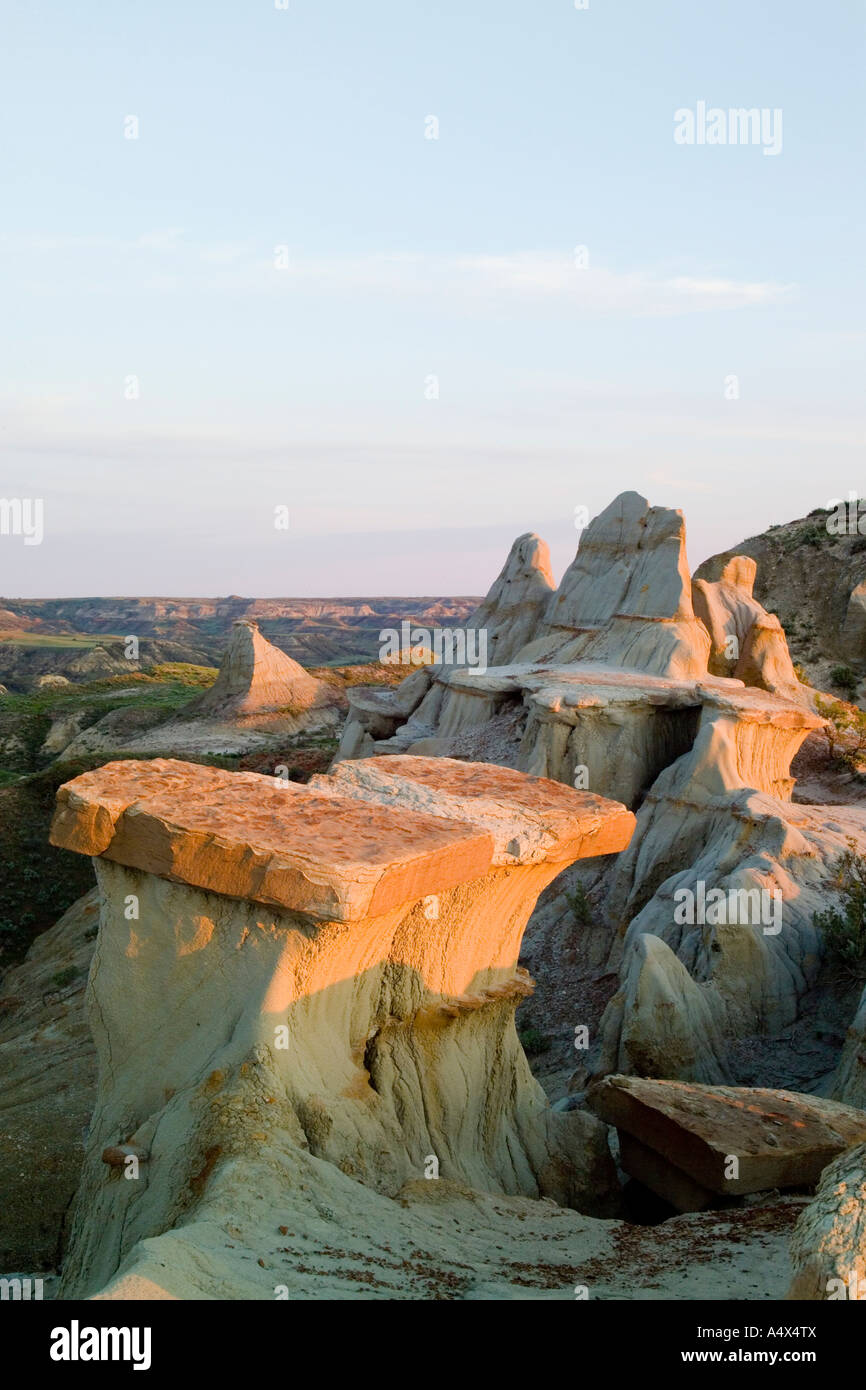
column 58, row 640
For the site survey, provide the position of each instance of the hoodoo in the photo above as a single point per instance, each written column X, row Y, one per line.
column 325, row 972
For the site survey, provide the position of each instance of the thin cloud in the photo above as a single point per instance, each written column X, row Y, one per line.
column 599, row 290
column 534, row 277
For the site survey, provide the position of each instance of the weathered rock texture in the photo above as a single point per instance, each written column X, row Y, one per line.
column 752, row 960
column 623, row 629
column 747, row 642
column 508, row 618
column 48, row 1065
column 849, row 1083
column 257, row 678
column 286, row 973
column 510, row 614
column 626, row 599
column 661, row 1022
column 315, row 1231
column 261, row 699
column 815, row 579
column 691, row 1143
column 828, row 1248
column 624, row 602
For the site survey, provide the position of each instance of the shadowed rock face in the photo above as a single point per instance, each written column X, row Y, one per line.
column 48, row 1065
column 705, row 823
column 662, row 1022
column 327, row 971
column 849, row 1083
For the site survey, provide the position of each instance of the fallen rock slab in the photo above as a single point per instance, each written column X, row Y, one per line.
column 730, row 1140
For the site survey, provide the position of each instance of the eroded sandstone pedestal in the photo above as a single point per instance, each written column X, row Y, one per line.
column 328, row 970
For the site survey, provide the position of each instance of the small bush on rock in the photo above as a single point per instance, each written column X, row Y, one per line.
column 844, row 927
column 844, row 678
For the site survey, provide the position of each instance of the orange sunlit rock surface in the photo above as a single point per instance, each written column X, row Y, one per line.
column 324, row 849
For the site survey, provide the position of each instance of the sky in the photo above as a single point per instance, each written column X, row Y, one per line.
column 419, row 278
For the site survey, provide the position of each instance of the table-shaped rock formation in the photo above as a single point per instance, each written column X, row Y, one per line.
column 329, row 970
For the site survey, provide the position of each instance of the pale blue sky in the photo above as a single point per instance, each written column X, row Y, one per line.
column 558, row 386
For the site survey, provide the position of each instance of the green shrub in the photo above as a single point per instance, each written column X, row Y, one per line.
column 846, row 731
column 813, row 535
column 533, row 1042
column 845, row 928
column 580, row 905
column 844, row 678
column 64, row 977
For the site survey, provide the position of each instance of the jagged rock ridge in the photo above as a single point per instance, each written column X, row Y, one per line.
column 681, row 701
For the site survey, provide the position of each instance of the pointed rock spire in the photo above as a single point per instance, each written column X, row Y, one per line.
column 515, row 603
column 256, row 677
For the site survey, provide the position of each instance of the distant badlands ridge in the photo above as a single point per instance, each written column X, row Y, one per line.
column 103, row 614
column 312, row 630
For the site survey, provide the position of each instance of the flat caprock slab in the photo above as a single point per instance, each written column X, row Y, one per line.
column 335, row 856
column 531, row 819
